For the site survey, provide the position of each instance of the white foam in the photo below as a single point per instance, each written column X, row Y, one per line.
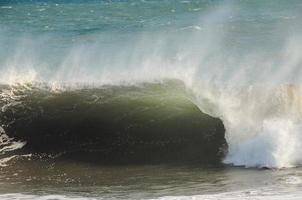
column 8, row 144
column 293, row 180
column 44, row 197
column 244, row 195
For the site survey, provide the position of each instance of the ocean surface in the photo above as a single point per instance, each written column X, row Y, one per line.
column 150, row 99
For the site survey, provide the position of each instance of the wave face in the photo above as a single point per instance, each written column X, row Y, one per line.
column 241, row 60
column 146, row 123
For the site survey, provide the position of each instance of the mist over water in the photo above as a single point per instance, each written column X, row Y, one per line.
column 241, row 60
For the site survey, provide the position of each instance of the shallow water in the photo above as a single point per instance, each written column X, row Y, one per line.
column 69, row 179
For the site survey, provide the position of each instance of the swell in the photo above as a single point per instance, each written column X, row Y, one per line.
column 142, row 123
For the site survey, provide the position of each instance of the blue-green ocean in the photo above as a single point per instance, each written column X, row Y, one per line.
column 150, row 99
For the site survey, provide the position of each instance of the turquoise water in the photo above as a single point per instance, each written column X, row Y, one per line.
column 237, row 60
column 104, row 35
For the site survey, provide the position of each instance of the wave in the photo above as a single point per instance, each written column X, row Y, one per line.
column 153, row 122
column 143, row 123
column 250, row 80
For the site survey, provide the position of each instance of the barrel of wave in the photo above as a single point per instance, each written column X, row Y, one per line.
column 141, row 123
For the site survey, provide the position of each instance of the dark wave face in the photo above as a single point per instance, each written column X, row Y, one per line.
column 145, row 123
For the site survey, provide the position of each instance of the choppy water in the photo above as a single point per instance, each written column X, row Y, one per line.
column 84, row 83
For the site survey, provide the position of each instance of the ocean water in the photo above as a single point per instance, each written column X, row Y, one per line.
column 149, row 99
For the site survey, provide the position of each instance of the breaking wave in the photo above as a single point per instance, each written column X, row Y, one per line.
column 113, row 82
